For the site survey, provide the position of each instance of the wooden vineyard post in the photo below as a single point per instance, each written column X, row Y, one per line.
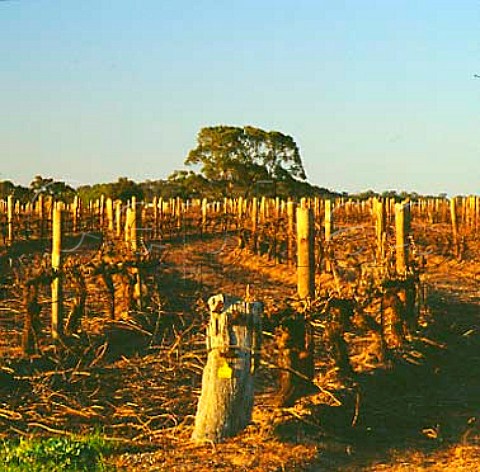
column 444, row 211
column 57, row 296
column 316, row 207
column 101, row 211
column 179, row 212
column 118, row 218
column 290, row 231
column 402, row 230
column 133, row 220
column 74, row 212
column 239, row 212
column 463, row 206
column 133, row 225
column 233, row 344
column 477, row 214
column 277, row 207
column 155, row 217
column 10, row 219
column 129, row 222
column 40, row 215
column 453, row 216
column 225, row 214
column 263, row 210
column 472, row 212
column 328, row 220
column 204, row 214
column 305, row 253
column 328, row 233
column 161, row 214
column 90, row 216
column 466, row 213
column 380, row 229
column 109, row 211
column 294, row 337
column 254, row 217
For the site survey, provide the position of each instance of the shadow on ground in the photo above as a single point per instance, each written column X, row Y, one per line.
column 427, row 407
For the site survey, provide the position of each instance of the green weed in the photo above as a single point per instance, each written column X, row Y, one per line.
column 55, row 454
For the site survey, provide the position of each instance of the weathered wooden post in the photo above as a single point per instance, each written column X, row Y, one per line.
column 118, row 218
column 40, row 213
column 477, row 214
column 294, row 337
column 109, row 211
column 132, row 220
column 240, row 209
column 178, row 212
column 472, row 212
column 380, row 216
column 74, row 211
column 10, row 206
column 254, row 217
column 305, row 253
column 463, row 206
column 402, row 230
column 453, row 215
column 328, row 233
column 263, row 210
column 155, row 216
column 101, row 211
column 134, row 223
column 129, row 222
column 204, row 214
column 57, row 296
column 233, row 344
column 290, row 231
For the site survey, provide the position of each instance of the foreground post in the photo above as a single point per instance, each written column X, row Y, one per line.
column 294, row 337
column 305, row 253
column 233, row 343
column 57, row 302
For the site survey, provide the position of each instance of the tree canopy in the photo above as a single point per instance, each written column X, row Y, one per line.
column 245, row 155
column 48, row 186
column 122, row 189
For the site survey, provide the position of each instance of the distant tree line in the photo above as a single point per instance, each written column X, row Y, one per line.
column 184, row 184
column 228, row 161
column 39, row 186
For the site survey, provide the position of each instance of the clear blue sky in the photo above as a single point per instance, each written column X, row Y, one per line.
column 378, row 94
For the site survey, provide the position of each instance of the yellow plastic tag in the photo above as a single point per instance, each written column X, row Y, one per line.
column 225, row 371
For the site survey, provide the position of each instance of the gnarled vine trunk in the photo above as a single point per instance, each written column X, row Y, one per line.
column 233, row 343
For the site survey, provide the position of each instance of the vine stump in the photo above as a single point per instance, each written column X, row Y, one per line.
column 233, row 343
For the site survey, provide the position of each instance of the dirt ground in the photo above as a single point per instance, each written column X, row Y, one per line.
column 419, row 414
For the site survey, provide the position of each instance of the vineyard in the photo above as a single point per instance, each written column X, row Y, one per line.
column 369, row 325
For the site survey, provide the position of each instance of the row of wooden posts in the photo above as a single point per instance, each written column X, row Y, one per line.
column 306, row 242
column 131, row 242
column 305, row 249
column 303, row 218
column 105, row 214
column 227, row 392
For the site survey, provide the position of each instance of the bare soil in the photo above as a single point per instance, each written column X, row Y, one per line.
column 418, row 414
